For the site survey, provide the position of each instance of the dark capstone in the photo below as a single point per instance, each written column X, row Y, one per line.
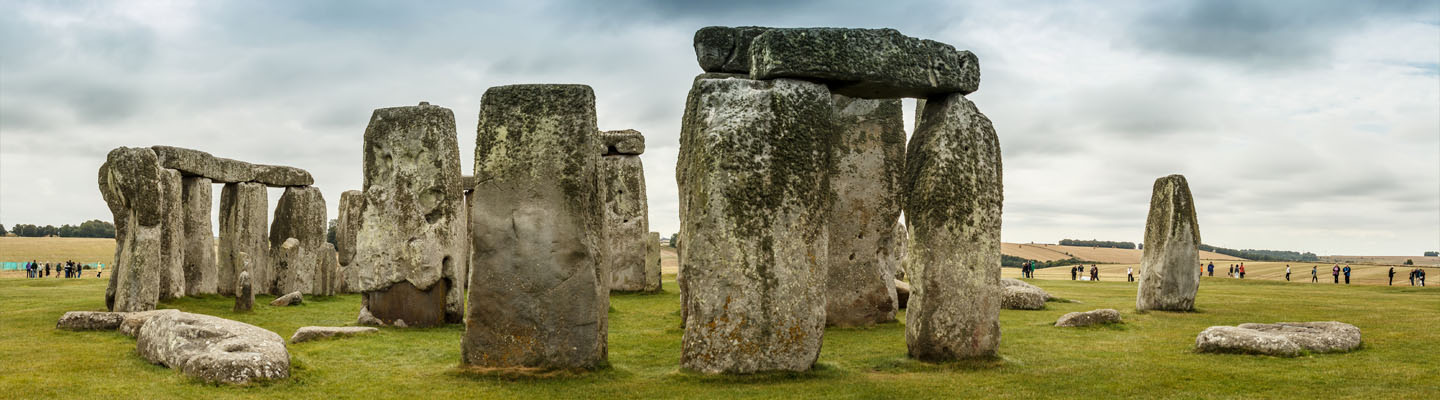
column 725, row 49
column 865, row 63
column 403, row 301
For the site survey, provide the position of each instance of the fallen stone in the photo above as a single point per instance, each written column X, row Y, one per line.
column 224, row 170
column 1280, row 339
column 212, row 349
column 200, row 269
column 869, row 163
column 865, row 63
column 952, row 207
column 1023, row 298
column 902, row 293
column 624, row 142
column 90, row 320
column 536, row 229
column 1169, row 275
column 244, row 292
column 309, row 333
column 1087, row 318
column 1012, row 282
column 366, row 318
column 753, row 175
column 1230, row 339
column 725, row 49
column 131, row 322
column 243, row 220
column 411, row 242
column 400, row 323
column 294, row 298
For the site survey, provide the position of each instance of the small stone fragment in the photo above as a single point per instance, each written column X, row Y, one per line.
column 1094, row 317
column 90, row 320
column 309, row 333
column 244, row 292
column 294, row 298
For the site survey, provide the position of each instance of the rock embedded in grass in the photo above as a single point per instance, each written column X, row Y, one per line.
column 1012, row 282
column 291, row 299
column 1087, row 318
column 864, row 63
column 90, row 320
column 1023, row 298
column 1169, row 275
column 308, row 333
column 1286, row 339
column 213, row 349
column 953, row 204
column 869, row 164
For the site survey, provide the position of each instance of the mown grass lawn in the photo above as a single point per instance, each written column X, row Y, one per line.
column 1148, row 357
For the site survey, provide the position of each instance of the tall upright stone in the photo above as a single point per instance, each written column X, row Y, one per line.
column 1169, row 276
column 129, row 181
column 953, row 204
column 410, row 244
column 300, row 214
column 172, row 235
column 352, row 204
column 537, row 295
column 242, row 229
column 753, row 174
column 626, row 215
column 652, row 263
column 200, row 269
column 869, row 165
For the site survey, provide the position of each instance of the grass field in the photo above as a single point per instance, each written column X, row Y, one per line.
column 1051, row 252
column 54, row 249
column 1148, row 357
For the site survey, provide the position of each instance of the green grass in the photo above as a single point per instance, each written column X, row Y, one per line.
column 1148, row 357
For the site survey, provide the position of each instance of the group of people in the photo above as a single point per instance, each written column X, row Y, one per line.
column 1027, row 270
column 68, row 269
column 1415, row 274
column 1078, row 270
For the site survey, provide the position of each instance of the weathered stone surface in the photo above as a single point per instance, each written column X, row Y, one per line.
column 753, row 175
column 1011, row 282
column 412, row 226
column 1087, row 318
column 327, row 280
column 1286, row 339
column 172, row 236
column 200, row 269
column 213, row 349
column 131, row 322
column 300, row 215
column 725, row 49
column 626, row 222
column 536, row 229
column 652, row 263
column 129, row 181
column 1023, row 298
column 865, row 63
column 352, row 205
column 242, row 230
column 869, row 161
column 224, row 170
column 309, row 333
column 1169, row 276
column 366, row 318
column 294, row 267
column 902, row 293
column 952, row 206
column 294, row 298
column 897, row 258
column 244, row 292
column 90, row 320
column 622, row 142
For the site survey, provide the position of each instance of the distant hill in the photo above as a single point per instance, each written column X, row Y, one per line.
column 1050, row 252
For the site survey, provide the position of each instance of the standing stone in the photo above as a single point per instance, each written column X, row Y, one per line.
column 1169, row 276
column 300, row 215
column 410, row 244
column 869, row 164
column 242, row 229
column 866, row 63
column 897, row 259
column 953, row 203
column 244, row 291
column 352, row 204
column 626, row 221
column 537, row 294
column 200, row 270
column 753, row 174
column 130, row 183
column 172, row 235
column 652, row 263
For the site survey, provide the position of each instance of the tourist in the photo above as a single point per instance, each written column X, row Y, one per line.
column 1421, row 274
column 1094, row 273
column 1412, row 276
column 1242, row 270
column 1392, row 276
column 1130, row 274
column 1287, row 272
column 1314, row 273
column 1347, row 274
column 1335, row 273
column 1212, row 268
column 1072, row 272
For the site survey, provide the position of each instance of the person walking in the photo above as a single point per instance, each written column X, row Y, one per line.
column 1211, row 267
column 1347, row 274
column 1421, row 273
column 1130, row 274
column 1335, row 273
column 1072, row 272
column 1314, row 273
column 1287, row 272
column 1392, row 276
column 1412, row 276
column 1094, row 274
column 1242, row 270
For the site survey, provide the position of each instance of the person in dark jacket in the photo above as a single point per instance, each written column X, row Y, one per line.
column 1335, row 273
column 1347, row 274
column 1392, row 276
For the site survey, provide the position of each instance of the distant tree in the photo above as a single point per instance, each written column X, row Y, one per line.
column 674, row 239
column 2, row 230
column 330, row 232
column 1427, row 254
column 1097, row 243
column 1409, row 262
column 97, row 229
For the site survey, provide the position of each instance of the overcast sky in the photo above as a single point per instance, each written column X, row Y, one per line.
column 1301, row 125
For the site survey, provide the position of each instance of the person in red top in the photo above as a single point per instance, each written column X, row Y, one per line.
column 1242, row 270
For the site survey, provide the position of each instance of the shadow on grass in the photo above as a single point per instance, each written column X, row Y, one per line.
column 908, row 365
column 820, row 371
column 605, row 372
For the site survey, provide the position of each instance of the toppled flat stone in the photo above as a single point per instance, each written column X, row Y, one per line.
column 623, row 142
column 1169, row 278
column 1087, row 318
column 724, row 48
column 224, row 170
column 865, row 63
column 308, row 333
column 213, row 349
column 1009, row 282
column 294, row 298
column 1286, row 339
column 90, row 320
column 131, row 323
column 1023, row 298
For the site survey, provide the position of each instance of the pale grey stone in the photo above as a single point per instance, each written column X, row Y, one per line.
column 1023, row 298
column 129, row 181
column 172, row 236
column 869, row 162
column 623, row 142
column 536, row 225
column 366, row 318
column 1011, row 282
column 753, row 175
column 244, row 291
column 200, row 269
column 294, row 298
column 131, row 322
column 952, row 207
column 224, row 170
column 865, row 63
column 90, row 320
column 1087, row 318
column 1280, row 339
column 213, row 349
column 309, row 333
column 626, row 222
column 1169, row 274
column 902, row 293
column 652, row 263
column 352, row 205
column 896, row 263
column 243, row 220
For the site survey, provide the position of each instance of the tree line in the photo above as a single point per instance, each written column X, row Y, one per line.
column 1263, row 255
column 1013, row 261
column 89, row 229
column 1097, row 243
